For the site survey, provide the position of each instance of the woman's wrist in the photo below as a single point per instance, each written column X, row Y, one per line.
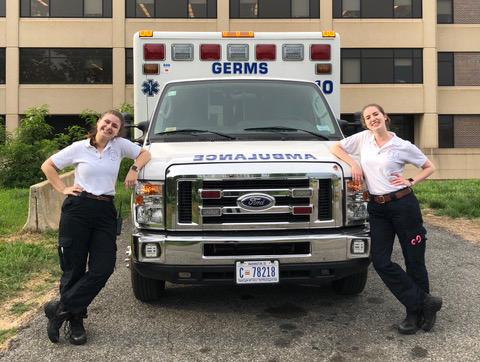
column 412, row 182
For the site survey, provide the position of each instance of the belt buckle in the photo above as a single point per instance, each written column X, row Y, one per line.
column 381, row 199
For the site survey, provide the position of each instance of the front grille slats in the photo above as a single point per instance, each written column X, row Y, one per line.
column 185, row 202
column 324, row 199
column 300, row 248
column 279, row 201
column 256, row 184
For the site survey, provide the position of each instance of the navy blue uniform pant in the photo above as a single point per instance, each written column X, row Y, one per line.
column 403, row 218
column 87, row 250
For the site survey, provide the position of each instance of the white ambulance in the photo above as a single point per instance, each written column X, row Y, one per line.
column 242, row 187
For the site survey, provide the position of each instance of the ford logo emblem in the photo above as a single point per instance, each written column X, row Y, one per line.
column 255, row 202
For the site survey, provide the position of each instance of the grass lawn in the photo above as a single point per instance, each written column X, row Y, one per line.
column 13, row 210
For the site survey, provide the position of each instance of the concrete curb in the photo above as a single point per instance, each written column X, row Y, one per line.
column 45, row 204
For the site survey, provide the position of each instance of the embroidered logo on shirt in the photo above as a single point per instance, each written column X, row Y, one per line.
column 113, row 155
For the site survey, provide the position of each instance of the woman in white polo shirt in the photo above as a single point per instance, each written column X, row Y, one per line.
column 87, row 231
column 393, row 210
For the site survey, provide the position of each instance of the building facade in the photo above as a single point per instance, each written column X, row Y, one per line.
column 419, row 59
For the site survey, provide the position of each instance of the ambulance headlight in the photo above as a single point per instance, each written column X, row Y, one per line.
column 355, row 205
column 148, row 204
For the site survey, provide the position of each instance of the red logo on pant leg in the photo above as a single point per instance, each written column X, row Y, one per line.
column 417, row 240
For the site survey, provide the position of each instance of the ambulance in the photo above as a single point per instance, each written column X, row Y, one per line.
column 241, row 188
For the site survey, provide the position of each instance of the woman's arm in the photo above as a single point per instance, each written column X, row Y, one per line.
column 50, row 171
column 427, row 169
column 143, row 157
column 337, row 150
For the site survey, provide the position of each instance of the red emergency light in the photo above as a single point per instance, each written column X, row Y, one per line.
column 320, row 52
column 265, row 52
column 210, row 51
column 210, row 194
column 302, row 210
column 154, row 51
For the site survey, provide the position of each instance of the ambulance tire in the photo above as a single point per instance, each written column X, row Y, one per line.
column 351, row 285
column 146, row 289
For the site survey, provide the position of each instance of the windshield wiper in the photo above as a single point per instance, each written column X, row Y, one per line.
column 193, row 131
column 282, row 129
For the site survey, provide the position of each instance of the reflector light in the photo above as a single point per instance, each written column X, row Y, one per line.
column 150, row 69
column 238, row 34
column 329, row 34
column 182, row 51
column 150, row 189
column 154, row 51
column 210, row 194
column 292, row 52
column 320, row 52
column 138, row 200
column 237, row 52
column 265, row 52
column 145, row 33
column 323, row 68
column 302, row 210
column 210, row 51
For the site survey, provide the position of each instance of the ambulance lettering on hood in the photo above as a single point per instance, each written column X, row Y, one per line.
column 254, row 157
column 239, row 68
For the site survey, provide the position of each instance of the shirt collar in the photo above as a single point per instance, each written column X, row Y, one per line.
column 394, row 140
column 87, row 144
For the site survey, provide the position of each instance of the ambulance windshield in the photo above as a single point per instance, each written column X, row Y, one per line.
column 259, row 109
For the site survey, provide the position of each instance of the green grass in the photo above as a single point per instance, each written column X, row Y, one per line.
column 6, row 334
column 13, row 210
column 19, row 308
column 123, row 196
column 20, row 260
column 454, row 198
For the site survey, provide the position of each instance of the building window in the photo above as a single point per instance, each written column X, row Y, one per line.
column 2, row 8
column 445, row 69
column 445, row 131
column 60, row 123
column 377, row 8
column 2, row 65
column 66, row 8
column 171, row 9
column 377, row 66
column 274, row 9
column 65, row 66
column 129, row 66
column 444, row 11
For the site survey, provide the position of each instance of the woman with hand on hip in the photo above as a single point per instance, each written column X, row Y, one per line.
column 393, row 210
column 87, row 231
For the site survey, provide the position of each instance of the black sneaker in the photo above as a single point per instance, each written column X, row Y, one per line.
column 56, row 315
column 431, row 305
column 410, row 324
column 75, row 331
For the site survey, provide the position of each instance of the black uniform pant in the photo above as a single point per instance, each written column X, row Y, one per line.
column 87, row 237
column 403, row 218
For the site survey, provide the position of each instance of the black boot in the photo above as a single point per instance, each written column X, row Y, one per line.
column 431, row 305
column 77, row 334
column 56, row 314
column 410, row 324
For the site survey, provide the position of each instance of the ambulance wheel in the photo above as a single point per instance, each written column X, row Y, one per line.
column 351, row 285
column 146, row 289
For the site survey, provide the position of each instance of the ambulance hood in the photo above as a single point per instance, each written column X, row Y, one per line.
column 181, row 153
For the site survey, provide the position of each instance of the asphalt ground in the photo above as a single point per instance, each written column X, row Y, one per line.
column 273, row 323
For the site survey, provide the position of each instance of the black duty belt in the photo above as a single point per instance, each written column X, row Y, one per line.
column 88, row 195
column 382, row 199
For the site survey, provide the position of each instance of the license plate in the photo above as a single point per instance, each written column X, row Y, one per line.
column 257, row 272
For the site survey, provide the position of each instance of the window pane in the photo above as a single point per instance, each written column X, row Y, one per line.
column 300, row 8
column 403, row 70
column 212, row 9
column 444, row 12
column 171, row 9
column 65, row 66
column 377, row 9
column 39, row 8
column 377, row 70
column 129, row 66
column 2, row 8
column 351, row 71
column 92, row 8
column 248, row 8
column 402, row 8
column 445, row 69
column 445, row 131
column 2, row 65
column 402, row 125
column 197, row 9
column 351, row 9
column 66, row 8
column 274, row 9
column 144, row 9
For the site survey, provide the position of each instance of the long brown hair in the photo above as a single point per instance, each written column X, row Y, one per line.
column 380, row 108
column 93, row 132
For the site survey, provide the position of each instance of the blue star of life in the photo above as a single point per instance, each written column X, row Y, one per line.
column 150, row 87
